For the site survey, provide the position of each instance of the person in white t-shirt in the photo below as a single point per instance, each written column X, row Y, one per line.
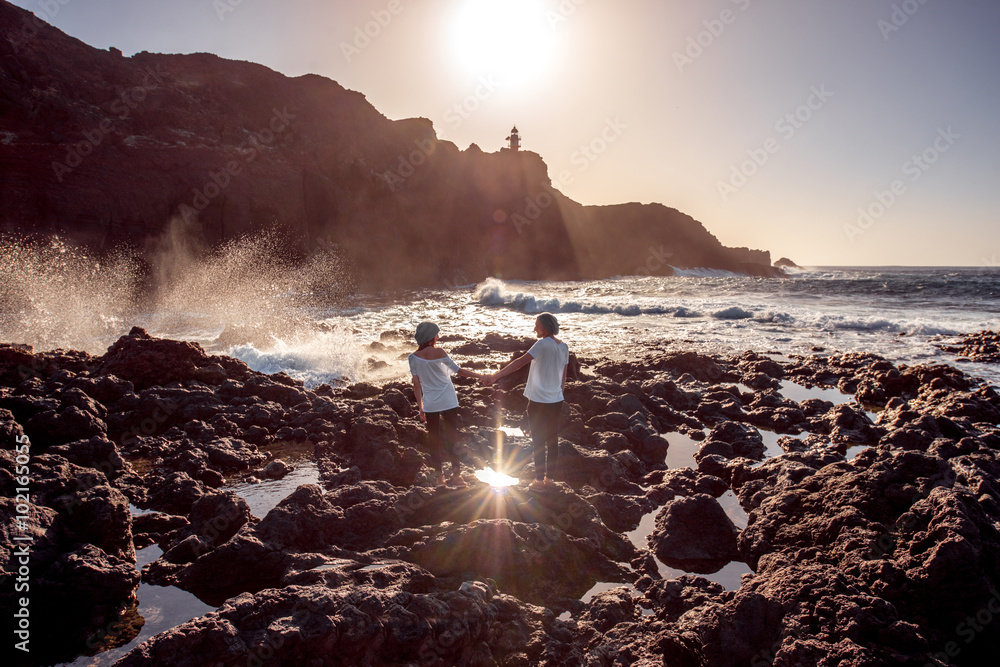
column 549, row 359
column 437, row 401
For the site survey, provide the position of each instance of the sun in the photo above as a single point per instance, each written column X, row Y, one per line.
column 511, row 40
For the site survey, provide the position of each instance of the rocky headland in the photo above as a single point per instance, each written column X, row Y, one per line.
column 156, row 150
column 889, row 557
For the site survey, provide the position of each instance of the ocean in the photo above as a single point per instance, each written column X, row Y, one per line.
column 902, row 314
column 304, row 322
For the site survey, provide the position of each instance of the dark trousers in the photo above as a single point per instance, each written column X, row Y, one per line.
column 543, row 419
column 442, row 431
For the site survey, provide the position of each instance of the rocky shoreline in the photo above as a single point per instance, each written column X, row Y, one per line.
column 889, row 558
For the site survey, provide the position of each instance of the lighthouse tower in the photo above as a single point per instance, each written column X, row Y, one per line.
column 514, row 139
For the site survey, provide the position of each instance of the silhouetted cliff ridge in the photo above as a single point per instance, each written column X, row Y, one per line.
column 108, row 150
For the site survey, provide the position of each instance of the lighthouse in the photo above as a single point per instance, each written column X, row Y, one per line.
column 514, row 139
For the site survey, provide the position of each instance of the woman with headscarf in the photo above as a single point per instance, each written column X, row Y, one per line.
column 549, row 359
column 437, row 401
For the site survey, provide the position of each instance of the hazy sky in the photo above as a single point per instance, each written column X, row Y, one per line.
column 836, row 132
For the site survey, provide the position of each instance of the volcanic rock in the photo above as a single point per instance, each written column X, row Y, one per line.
column 983, row 347
column 97, row 452
column 694, row 534
column 276, row 469
column 535, row 562
column 732, row 439
column 81, row 557
column 876, row 560
column 359, row 625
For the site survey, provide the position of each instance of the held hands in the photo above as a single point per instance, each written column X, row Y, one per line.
column 487, row 379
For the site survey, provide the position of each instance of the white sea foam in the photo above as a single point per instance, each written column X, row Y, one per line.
column 317, row 358
column 874, row 323
column 705, row 273
column 494, row 292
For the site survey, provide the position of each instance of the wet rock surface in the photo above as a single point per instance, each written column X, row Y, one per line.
column 891, row 557
column 982, row 347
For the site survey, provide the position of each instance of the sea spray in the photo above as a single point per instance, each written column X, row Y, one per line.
column 248, row 290
column 246, row 283
column 250, row 281
column 53, row 294
column 255, row 299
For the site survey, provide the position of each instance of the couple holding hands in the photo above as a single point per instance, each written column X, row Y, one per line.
column 432, row 368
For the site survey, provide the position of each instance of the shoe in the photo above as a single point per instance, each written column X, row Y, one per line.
column 457, row 481
column 548, row 483
column 537, row 485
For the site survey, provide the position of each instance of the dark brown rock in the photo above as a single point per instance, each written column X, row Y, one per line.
column 146, row 361
column 276, row 470
column 98, row 452
column 537, row 563
column 610, row 608
column 357, row 624
column 878, row 560
column 731, row 440
column 983, row 347
column 694, row 534
column 80, row 554
column 69, row 424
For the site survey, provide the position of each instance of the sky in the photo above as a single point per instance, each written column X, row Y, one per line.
column 831, row 132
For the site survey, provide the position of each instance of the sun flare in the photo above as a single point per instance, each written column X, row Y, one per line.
column 495, row 479
column 511, row 40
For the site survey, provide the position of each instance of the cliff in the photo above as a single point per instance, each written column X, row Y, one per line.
column 107, row 150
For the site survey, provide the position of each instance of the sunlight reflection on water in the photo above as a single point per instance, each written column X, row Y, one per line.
column 263, row 496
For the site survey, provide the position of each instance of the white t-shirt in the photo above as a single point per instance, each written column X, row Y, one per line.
column 435, row 382
column 545, row 375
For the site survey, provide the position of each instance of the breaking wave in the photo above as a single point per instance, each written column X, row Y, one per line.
column 494, row 293
column 321, row 358
column 705, row 273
